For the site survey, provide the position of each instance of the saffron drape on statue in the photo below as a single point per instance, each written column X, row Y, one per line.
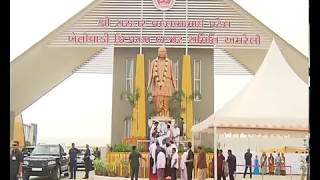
column 139, row 110
column 186, row 103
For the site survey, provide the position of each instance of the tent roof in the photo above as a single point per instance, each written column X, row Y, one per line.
column 285, row 149
column 276, row 98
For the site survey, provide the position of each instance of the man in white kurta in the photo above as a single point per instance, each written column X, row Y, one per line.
column 176, row 134
column 174, row 164
column 152, row 150
column 161, row 164
column 169, row 134
column 172, row 145
column 183, row 167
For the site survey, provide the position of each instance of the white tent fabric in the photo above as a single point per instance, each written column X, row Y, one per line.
column 275, row 99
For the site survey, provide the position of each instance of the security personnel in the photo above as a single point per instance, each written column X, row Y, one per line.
column 87, row 162
column 73, row 161
column 16, row 160
column 97, row 153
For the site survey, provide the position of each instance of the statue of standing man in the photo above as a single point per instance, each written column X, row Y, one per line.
column 162, row 82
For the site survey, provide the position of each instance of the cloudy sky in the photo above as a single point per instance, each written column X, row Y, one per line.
column 79, row 109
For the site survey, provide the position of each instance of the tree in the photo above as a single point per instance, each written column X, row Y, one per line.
column 132, row 97
column 174, row 104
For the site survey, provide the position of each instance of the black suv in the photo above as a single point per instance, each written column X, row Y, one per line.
column 26, row 151
column 46, row 160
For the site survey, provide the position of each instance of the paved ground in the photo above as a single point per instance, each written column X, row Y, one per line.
column 80, row 175
column 239, row 177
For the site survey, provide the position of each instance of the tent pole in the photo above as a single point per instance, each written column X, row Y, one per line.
column 192, row 141
column 215, row 153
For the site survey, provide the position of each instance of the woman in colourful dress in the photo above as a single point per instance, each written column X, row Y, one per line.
column 256, row 166
column 263, row 162
column 271, row 164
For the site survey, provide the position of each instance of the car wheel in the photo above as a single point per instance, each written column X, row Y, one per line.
column 57, row 174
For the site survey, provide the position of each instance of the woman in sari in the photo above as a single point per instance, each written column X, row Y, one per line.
column 263, row 162
column 271, row 164
column 256, row 166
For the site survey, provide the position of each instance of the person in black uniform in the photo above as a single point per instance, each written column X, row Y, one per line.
column 189, row 161
column 73, row 161
column 97, row 153
column 232, row 164
column 16, row 160
column 87, row 162
column 248, row 158
column 134, row 157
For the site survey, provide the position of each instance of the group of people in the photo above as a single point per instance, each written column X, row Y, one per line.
column 165, row 132
column 16, row 159
column 272, row 165
column 165, row 161
column 225, row 167
column 275, row 165
column 73, row 151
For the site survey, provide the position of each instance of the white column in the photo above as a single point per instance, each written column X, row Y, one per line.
column 193, row 151
column 192, row 141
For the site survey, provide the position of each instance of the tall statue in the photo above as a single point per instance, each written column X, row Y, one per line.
column 161, row 82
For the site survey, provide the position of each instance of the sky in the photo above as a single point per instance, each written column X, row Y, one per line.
column 79, row 109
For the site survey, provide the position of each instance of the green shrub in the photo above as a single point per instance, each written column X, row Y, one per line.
column 127, row 148
column 111, row 168
column 180, row 148
column 121, row 148
column 100, row 167
column 209, row 150
column 206, row 149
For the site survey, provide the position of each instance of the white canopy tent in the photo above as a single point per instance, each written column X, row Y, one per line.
column 276, row 101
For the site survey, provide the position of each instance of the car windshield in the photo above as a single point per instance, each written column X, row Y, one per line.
column 46, row 150
column 81, row 152
column 27, row 150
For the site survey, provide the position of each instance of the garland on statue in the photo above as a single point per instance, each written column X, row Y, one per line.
column 164, row 75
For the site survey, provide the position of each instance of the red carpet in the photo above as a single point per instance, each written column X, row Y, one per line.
column 153, row 176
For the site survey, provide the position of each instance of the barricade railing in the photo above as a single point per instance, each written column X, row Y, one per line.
column 267, row 172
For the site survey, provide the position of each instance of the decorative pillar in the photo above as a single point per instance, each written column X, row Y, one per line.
column 186, row 103
column 18, row 132
column 215, row 153
column 139, row 111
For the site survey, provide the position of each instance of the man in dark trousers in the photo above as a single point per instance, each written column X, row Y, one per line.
column 220, row 162
column 174, row 164
column 73, row 161
column 16, row 160
column 189, row 161
column 248, row 158
column 87, row 162
column 97, row 153
column 232, row 164
column 134, row 162
column 308, row 166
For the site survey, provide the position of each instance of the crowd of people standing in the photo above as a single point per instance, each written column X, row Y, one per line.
column 270, row 165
